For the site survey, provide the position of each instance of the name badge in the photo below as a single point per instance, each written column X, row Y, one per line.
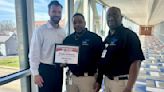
column 70, row 81
column 106, row 45
column 103, row 53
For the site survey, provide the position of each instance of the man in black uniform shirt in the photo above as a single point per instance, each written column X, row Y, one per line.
column 123, row 55
column 83, row 77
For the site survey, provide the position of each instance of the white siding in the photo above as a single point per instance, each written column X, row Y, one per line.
column 2, row 50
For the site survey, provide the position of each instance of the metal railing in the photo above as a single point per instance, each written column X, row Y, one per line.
column 14, row 76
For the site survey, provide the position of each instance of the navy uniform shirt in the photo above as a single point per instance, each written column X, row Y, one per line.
column 123, row 48
column 90, row 49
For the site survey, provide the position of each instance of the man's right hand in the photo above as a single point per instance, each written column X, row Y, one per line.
column 97, row 87
column 38, row 80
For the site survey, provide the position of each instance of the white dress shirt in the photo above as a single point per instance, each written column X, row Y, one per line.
column 43, row 45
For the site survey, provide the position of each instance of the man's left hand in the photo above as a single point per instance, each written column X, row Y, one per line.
column 127, row 90
column 97, row 87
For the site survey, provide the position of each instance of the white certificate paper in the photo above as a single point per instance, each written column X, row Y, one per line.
column 66, row 54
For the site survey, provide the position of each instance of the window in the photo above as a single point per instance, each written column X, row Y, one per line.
column 99, row 19
column 9, row 56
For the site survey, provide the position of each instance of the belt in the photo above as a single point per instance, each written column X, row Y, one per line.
column 50, row 65
column 121, row 77
column 84, row 74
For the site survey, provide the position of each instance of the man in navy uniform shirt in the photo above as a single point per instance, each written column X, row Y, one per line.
column 123, row 55
column 83, row 78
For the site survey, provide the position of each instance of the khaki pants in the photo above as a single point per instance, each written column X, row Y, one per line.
column 81, row 84
column 114, row 85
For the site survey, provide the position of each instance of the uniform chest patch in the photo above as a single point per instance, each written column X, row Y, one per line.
column 113, row 41
column 85, row 42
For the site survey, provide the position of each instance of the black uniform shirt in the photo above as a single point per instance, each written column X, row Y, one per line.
column 123, row 49
column 90, row 49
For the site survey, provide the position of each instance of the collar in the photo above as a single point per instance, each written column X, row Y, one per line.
column 117, row 29
column 78, row 36
column 81, row 32
column 49, row 25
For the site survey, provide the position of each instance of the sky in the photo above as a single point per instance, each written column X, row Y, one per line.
column 7, row 9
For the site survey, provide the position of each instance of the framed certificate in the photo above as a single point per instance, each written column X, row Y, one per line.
column 66, row 54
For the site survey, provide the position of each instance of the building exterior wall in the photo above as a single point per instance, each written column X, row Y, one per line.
column 12, row 45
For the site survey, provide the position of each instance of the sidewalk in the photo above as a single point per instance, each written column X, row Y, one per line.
column 10, row 87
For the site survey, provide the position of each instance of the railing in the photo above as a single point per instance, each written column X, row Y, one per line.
column 11, row 77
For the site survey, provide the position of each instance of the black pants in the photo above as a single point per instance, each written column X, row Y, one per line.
column 52, row 76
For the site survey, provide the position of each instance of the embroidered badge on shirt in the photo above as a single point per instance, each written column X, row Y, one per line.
column 85, row 42
column 113, row 41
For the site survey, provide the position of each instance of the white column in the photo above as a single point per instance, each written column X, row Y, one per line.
column 91, row 17
column 86, row 12
column 24, row 21
column 69, row 11
column 30, row 18
column 94, row 14
column 105, row 27
column 31, row 24
column 79, row 7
